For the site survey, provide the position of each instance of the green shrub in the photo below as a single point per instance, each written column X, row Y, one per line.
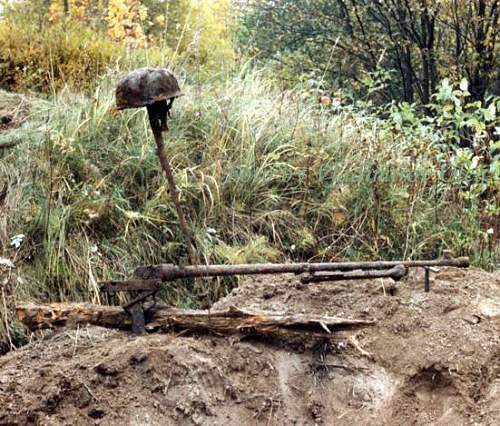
column 47, row 58
column 44, row 51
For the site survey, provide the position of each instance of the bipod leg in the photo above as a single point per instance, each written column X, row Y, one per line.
column 427, row 281
column 136, row 312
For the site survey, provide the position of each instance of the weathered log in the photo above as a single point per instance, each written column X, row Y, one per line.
column 230, row 321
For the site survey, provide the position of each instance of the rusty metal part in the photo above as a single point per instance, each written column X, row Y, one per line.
column 427, row 282
column 396, row 273
column 138, row 319
column 149, row 279
column 132, row 285
column 156, row 89
column 427, row 271
column 145, row 86
column 136, row 311
column 169, row 272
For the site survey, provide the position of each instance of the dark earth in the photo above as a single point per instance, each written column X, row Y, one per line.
column 431, row 359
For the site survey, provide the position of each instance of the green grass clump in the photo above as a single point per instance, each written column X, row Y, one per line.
column 265, row 175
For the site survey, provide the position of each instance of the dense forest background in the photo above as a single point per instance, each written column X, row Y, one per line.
column 411, row 45
column 309, row 130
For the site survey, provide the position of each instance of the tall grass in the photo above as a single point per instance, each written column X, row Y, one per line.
column 266, row 175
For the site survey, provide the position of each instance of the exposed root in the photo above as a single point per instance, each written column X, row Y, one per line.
column 353, row 341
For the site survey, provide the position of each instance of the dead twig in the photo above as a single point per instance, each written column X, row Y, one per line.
column 356, row 345
column 89, row 391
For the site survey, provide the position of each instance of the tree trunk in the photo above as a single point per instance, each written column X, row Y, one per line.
column 407, row 74
column 484, row 35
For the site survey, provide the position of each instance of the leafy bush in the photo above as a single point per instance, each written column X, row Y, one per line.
column 466, row 135
column 50, row 57
column 43, row 49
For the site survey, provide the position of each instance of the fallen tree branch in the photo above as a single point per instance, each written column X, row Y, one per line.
column 230, row 321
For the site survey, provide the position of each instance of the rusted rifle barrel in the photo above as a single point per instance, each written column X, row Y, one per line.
column 396, row 273
column 169, row 272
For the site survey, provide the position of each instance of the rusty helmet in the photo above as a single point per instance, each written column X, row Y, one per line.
column 146, row 86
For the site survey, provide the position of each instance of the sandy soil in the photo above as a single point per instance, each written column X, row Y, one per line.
column 431, row 359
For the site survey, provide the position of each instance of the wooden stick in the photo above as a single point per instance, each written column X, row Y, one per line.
column 230, row 321
column 165, row 165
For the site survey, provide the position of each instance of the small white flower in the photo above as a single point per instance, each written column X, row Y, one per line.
column 292, row 247
column 16, row 240
column 336, row 102
column 490, row 231
column 7, row 263
column 211, row 231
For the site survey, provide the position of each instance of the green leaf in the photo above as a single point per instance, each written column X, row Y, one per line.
column 490, row 112
column 445, row 91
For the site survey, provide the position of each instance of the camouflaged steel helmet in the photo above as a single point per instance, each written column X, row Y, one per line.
column 146, row 86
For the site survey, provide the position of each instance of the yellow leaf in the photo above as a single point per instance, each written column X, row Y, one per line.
column 325, row 100
column 339, row 218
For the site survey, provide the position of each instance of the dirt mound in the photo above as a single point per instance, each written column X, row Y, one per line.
column 432, row 358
